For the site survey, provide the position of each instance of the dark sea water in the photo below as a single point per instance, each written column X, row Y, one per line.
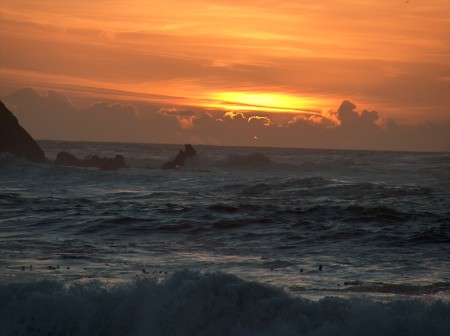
column 229, row 244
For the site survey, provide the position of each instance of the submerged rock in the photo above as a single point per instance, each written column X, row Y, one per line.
column 66, row 159
column 182, row 155
column 16, row 140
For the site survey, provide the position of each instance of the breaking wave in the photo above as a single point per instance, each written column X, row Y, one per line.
column 190, row 303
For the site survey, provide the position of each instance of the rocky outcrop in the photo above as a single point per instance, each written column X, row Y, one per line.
column 182, row 155
column 16, row 140
column 103, row 163
column 66, row 159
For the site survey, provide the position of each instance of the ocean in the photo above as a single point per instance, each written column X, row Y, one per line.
column 239, row 241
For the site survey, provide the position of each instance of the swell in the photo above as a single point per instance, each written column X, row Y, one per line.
column 317, row 208
column 379, row 224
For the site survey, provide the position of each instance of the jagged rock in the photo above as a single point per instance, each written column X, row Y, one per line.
column 105, row 163
column 182, row 155
column 67, row 159
column 16, row 140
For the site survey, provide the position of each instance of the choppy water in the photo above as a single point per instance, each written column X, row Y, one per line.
column 378, row 223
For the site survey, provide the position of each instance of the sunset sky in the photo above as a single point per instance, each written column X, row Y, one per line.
column 272, row 58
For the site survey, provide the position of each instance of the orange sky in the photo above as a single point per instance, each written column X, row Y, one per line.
column 296, row 57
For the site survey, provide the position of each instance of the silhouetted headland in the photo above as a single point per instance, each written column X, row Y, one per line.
column 66, row 159
column 182, row 155
column 15, row 139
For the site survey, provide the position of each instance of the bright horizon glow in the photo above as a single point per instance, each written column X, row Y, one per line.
column 264, row 101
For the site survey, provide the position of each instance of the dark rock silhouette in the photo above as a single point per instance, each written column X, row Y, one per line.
column 67, row 159
column 105, row 163
column 182, row 155
column 16, row 140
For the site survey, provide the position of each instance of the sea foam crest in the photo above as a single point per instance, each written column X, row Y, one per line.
column 190, row 303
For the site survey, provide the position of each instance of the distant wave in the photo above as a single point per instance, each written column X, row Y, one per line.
column 190, row 303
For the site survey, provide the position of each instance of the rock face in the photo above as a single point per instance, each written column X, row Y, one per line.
column 15, row 140
column 182, row 155
column 67, row 159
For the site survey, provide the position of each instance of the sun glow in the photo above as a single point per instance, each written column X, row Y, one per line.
column 270, row 102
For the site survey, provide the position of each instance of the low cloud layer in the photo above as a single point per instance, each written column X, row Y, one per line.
column 53, row 116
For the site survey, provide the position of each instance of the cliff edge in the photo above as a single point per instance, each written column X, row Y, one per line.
column 16, row 140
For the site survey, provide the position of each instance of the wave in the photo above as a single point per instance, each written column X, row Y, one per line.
column 232, row 160
column 379, row 214
column 255, row 159
column 433, row 235
column 11, row 163
column 190, row 303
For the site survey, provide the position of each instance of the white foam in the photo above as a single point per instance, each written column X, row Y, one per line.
column 191, row 303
